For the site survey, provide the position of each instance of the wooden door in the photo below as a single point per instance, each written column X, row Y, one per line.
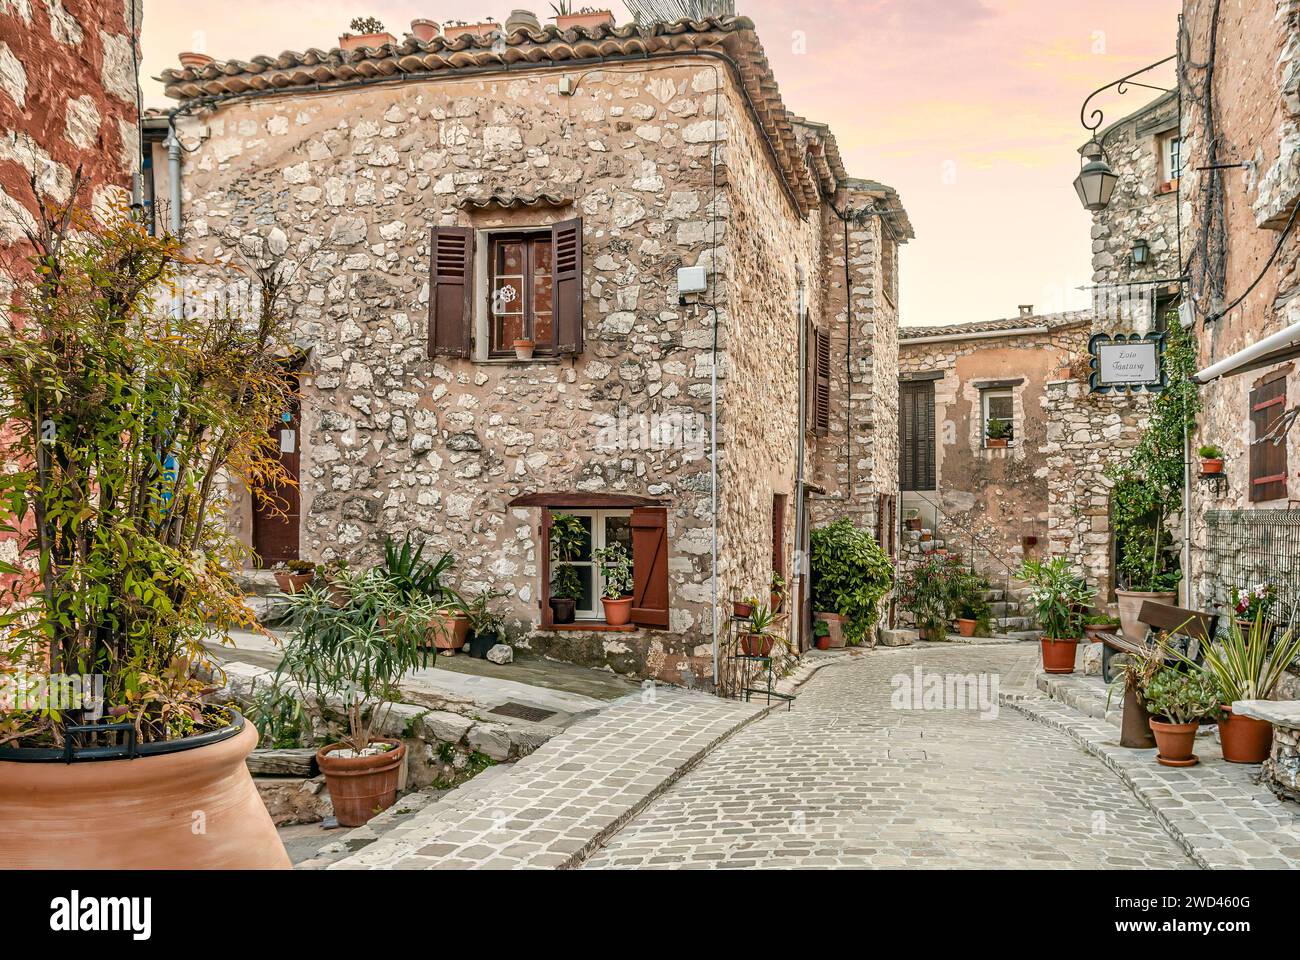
column 276, row 518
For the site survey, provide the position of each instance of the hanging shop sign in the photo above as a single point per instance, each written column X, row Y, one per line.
column 1127, row 362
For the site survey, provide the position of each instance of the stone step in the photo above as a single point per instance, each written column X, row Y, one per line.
column 901, row 637
column 1014, row 624
column 257, row 583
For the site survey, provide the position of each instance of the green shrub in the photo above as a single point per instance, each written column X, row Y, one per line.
column 850, row 575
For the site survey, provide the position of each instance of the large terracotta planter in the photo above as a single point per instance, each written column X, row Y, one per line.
column 1244, row 739
column 1130, row 605
column 448, row 631
column 593, row 19
column 1058, row 655
column 1175, row 742
column 617, row 612
column 966, row 628
column 350, row 41
column 753, row 645
column 361, row 787
column 192, row 808
column 835, row 625
column 292, row 582
column 1135, row 727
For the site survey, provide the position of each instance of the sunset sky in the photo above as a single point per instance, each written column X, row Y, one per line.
column 969, row 108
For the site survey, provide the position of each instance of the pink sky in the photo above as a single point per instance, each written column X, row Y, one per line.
column 969, row 108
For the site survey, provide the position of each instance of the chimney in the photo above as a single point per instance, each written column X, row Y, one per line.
column 1026, row 310
column 196, row 61
column 425, row 30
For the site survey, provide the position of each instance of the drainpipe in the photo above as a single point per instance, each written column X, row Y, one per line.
column 800, row 559
column 173, row 145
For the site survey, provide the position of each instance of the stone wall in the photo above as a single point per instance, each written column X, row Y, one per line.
column 349, row 186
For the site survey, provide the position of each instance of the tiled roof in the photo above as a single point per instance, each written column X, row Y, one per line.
column 732, row 36
column 512, row 201
column 1049, row 321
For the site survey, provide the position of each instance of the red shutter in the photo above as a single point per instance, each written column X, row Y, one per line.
column 544, row 595
column 650, row 566
column 451, row 283
column 822, row 393
column 566, row 257
column 1268, row 469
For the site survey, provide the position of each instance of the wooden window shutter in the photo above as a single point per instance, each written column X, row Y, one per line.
column 451, row 283
column 650, row 566
column 566, row 259
column 822, row 388
column 916, row 435
column 544, row 595
column 1268, row 460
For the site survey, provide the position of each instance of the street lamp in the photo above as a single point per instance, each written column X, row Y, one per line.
column 1141, row 253
column 1096, row 182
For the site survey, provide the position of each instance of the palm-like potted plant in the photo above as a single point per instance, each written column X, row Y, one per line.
column 617, row 595
column 1211, row 459
column 1247, row 664
column 1059, row 597
column 568, row 537
column 356, row 655
column 762, row 635
column 1178, row 701
column 415, row 577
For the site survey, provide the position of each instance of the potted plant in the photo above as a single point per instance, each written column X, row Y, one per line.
column 925, row 593
column 454, row 29
column 777, row 592
column 974, row 613
column 124, row 559
column 926, row 536
column 485, row 623
column 617, row 595
column 566, row 17
column 568, row 537
column 292, row 575
column 1247, row 665
column 356, row 655
column 524, row 349
column 1097, row 624
column 1178, row 702
column 1254, row 604
column 1211, row 459
column 370, row 32
column 762, row 634
column 415, row 578
column 1059, row 596
column 743, row 609
column 1135, row 724
column 913, row 519
column 850, row 576
column 834, row 632
column 997, row 433
column 822, row 634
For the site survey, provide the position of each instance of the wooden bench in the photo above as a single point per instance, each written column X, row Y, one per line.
column 1194, row 628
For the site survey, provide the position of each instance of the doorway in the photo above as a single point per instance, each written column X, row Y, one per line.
column 277, row 513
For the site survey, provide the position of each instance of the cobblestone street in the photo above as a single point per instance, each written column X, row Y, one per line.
column 846, row 780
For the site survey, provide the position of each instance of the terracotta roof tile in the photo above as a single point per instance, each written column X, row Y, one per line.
column 1051, row 321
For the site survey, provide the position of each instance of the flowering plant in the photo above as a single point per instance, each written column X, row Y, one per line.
column 1250, row 603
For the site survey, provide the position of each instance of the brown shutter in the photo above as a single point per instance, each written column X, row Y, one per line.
column 544, row 595
column 451, row 284
column 778, row 533
column 823, row 425
column 566, row 258
column 916, row 435
column 650, row 566
column 1268, row 469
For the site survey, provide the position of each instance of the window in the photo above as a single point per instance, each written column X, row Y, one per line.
column 916, row 457
column 604, row 528
column 1268, row 454
column 490, row 288
column 1000, row 412
column 520, row 292
column 1171, row 161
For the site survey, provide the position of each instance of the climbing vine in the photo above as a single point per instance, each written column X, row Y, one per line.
column 1148, row 487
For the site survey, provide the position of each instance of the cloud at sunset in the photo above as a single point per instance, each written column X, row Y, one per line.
column 969, row 108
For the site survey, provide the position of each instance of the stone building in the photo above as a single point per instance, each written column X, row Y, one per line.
column 68, row 101
column 438, row 199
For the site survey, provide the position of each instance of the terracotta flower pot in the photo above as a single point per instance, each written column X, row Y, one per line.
column 594, row 19
column 913, row 523
column 741, row 609
column 449, row 631
column 1058, row 655
column 196, row 61
column 524, row 349
column 753, row 645
column 1175, row 742
column 1135, row 725
column 1244, row 739
column 1092, row 631
column 1210, row 467
column 355, row 42
column 835, row 625
column 292, row 582
column 361, row 787
column 995, row 444
column 1130, row 605
column 823, row 643
column 193, row 808
column 617, row 612
column 966, row 628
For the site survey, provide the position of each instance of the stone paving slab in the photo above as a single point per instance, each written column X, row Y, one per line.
column 1216, row 811
column 561, row 801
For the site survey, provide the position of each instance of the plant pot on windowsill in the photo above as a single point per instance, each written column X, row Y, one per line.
column 361, row 787
column 617, row 612
column 1175, row 742
column 995, row 442
column 1244, row 739
column 563, row 609
column 1058, row 655
column 524, row 349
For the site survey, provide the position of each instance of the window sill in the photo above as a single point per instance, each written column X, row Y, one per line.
column 516, row 362
column 590, row 626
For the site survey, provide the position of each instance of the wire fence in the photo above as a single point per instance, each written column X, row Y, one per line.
column 1248, row 547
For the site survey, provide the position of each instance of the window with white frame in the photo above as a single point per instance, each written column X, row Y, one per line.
column 1171, row 158
column 998, row 415
column 603, row 528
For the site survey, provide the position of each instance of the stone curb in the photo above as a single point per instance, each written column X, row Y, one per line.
column 1181, row 821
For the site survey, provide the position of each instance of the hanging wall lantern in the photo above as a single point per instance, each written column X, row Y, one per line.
column 1096, row 181
column 1141, row 253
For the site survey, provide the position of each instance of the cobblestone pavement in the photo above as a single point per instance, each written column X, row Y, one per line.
column 844, row 779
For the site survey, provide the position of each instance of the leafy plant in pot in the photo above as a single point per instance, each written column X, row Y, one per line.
column 1247, row 665
column 292, row 575
column 118, row 435
column 762, row 635
column 356, row 655
column 997, row 433
column 617, row 595
column 851, row 574
column 568, row 536
column 1059, row 596
column 974, row 613
column 416, row 578
column 1254, row 604
column 1178, row 701
column 925, row 593
column 1211, row 459
column 485, row 623
column 1096, row 624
